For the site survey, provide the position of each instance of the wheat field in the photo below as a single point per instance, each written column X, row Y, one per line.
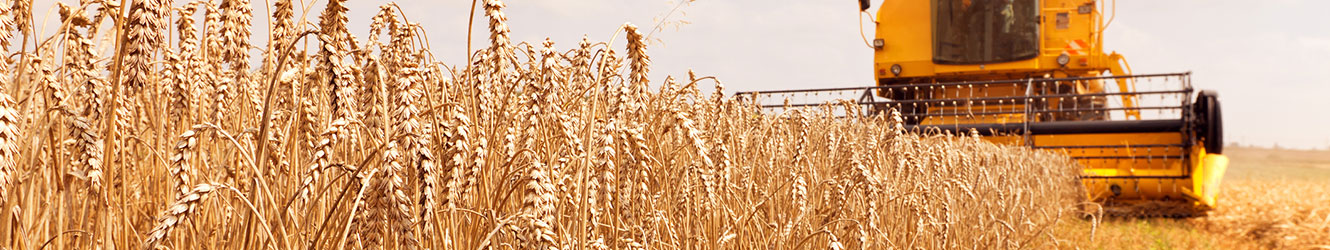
column 138, row 126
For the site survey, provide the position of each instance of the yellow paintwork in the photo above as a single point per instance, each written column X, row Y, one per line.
column 1207, row 177
column 1204, row 170
column 907, row 33
column 906, row 28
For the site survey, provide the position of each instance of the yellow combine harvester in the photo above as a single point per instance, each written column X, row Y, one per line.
column 1034, row 73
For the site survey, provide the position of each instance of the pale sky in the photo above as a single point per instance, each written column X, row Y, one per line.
column 1270, row 60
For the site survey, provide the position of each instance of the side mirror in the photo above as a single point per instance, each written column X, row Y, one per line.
column 863, row 5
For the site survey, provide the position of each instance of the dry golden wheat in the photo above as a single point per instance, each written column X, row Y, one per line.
column 177, row 213
column 523, row 146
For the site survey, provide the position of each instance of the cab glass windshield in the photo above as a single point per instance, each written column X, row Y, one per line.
column 985, row 31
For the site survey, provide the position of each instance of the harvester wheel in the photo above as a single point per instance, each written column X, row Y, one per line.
column 1212, row 127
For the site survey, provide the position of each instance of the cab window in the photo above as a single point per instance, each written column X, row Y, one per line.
column 985, row 31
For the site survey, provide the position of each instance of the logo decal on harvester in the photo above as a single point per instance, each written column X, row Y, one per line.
column 1074, row 47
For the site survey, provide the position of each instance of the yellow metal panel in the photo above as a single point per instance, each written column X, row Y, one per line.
column 906, row 27
column 1100, row 139
column 1023, row 65
column 1135, row 152
column 1208, row 176
column 1006, row 139
column 1129, row 161
column 1142, row 162
column 1194, row 180
column 1108, row 139
column 1134, row 190
column 907, row 32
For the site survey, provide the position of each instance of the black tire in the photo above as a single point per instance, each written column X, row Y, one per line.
column 1210, row 114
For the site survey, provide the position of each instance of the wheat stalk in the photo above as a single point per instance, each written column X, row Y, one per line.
column 524, row 146
column 9, row 138
column 178, row 212
column 180, row 161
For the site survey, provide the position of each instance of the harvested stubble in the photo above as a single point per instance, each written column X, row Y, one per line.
column 369, row 144
column 1276, row 214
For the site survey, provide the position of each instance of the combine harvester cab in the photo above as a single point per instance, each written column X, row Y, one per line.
column 1033, row 73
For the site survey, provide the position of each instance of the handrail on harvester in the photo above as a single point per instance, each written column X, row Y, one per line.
column 1036, row 80
column 959, row 105
column 868, row 95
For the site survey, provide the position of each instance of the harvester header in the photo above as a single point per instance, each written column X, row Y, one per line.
column 1034, row 73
